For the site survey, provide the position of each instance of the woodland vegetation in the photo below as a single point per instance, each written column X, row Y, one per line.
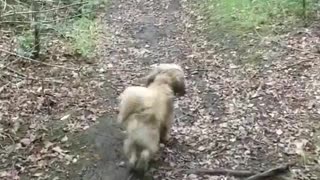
column 252, row 69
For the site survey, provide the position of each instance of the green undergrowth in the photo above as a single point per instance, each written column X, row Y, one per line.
column 80, row 29
column 264, row 15
column 241, row 24
column 82, row 34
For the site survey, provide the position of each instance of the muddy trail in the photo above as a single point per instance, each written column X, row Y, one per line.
column 233, row 116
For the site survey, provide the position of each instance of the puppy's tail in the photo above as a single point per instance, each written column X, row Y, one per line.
column 130, row 101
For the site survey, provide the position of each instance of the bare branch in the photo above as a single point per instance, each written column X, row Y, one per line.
column 44, row 11
column 43, row 22
column 271, row 173
column 250, row 175
column 32, row 60
column 32, row 78
column 225, row 172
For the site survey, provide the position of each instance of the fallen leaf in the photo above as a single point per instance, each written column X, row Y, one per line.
column 300, row 146
column 201, row 148
column 26, row 141
column 37, row 174
column 65, row 117
column 64, row 139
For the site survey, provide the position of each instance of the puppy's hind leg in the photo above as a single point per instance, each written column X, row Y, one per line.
column 165, row 130
column 143, row 162
column 164, row 136
column 146, row 156
column 131, row 152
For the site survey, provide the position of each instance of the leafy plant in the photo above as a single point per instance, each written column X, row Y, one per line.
column 25, row 44
column 83, row 31
column 83, row 34
column 89, row 9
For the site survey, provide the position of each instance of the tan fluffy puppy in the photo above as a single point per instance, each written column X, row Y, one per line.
column 142, row 111
column 167, row 75
column 164, row 79
column 147, row 113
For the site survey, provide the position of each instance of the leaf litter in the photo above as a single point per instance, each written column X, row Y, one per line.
column 234, row 115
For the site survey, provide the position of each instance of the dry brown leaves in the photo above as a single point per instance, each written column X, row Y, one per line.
column 234, row 115
column 39, row 106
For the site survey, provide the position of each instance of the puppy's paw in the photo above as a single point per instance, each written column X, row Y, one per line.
column 156, row 157
column 165, row 139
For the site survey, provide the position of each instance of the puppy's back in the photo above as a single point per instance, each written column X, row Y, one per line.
column 133, row 99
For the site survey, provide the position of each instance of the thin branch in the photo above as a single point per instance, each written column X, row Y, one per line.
column 35, row 61
column 8, row 64
column 16, row 72
column 225, row 172
column 4, row 86
column 32, row 78
column 271, row 173
column 295, row 64
column 44, row 11
column 250, row 175
column 5, row 5
column 43, row 22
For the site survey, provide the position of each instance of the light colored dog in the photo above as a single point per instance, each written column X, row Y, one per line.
column 147, row 113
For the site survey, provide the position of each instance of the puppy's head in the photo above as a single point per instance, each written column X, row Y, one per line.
column 175, row 74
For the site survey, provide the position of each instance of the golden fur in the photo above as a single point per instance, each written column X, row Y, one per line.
column 147, row 113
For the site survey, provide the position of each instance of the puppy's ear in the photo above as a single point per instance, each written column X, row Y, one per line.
column 151, row 76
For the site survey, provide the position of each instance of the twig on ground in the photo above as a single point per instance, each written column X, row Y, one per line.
column 285, row 46
column 250, row 175
column 295, row 64
column 32, row 78
column 4, row 87
column 8, row 64
column 4, row 5
column 274, row 172
column 225, row 172
column 9, row 136
column 191, row 114
column 43, row 22
column 219, row 151
column 298, row 49
column 32, row 60
column 16, row 72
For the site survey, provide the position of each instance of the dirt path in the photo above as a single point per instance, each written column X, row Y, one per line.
column 142, row 34
column 232, row 116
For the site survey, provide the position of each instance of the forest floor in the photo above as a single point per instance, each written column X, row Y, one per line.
column 251, row 103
